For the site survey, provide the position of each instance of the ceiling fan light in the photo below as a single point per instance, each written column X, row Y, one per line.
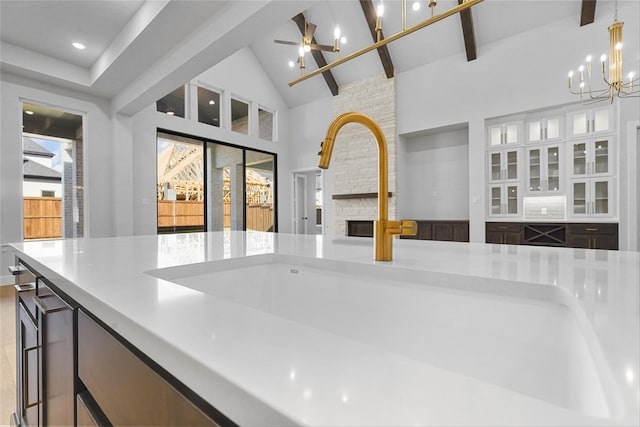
column 301, row 51
column 307, row 48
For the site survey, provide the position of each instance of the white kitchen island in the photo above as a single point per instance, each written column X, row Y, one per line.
column 279, row 329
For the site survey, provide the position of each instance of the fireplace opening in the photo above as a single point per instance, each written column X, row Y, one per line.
column 360, row 228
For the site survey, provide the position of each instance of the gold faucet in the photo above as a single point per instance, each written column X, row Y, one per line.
column 383, row 230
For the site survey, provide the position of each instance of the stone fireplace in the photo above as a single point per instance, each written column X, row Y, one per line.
column 355, row 153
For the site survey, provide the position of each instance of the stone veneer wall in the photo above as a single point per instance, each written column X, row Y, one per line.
column 355, row 154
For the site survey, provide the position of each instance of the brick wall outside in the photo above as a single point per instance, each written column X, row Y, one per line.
column 355, row 153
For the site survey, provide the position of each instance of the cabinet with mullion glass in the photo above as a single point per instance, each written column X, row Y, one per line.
column 504, row 165
column 590, row 122
column 544, row 169
column 504, row 200
column 592, row 197
column 547, row 128
column 592, row 157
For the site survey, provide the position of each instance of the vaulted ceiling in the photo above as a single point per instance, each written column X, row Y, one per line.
column 138, row 51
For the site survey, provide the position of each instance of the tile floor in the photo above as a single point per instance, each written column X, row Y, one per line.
column 7, row 354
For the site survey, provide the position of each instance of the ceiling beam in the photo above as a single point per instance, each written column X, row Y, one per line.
column 588, row 12
column 467, row 31
column 383, row 51
column 300, row 20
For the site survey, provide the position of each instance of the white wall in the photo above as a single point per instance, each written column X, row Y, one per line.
column 33, row 188
column 433, row 175
column 523, row 73
column 97, row 161
column 239, row 76
column 308, row 127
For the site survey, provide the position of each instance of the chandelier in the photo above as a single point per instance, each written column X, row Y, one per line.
column 614, row 85
column 464, row 5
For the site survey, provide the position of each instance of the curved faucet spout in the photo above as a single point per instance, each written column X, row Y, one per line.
column 383, row 163
column 384, row 229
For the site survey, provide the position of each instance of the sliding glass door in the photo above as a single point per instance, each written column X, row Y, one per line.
column 259, row 181
column 225, row 190
column 208, row 185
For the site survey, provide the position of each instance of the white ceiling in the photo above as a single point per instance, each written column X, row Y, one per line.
column 138, row 50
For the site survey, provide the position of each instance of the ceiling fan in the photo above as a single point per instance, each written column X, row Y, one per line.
column 307, row 37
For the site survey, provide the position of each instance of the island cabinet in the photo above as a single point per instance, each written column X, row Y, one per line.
column 73, row 371
column 126, row 389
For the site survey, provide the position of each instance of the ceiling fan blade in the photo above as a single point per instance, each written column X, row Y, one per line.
column 323, row 47
column 287, row 42
column 311, row 29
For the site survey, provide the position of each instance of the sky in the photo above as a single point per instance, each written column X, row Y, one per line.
column 54, row 147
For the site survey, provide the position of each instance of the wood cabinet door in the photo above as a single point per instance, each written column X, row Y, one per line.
column 57, row 360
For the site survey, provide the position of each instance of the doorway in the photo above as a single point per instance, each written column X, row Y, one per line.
column 53, row 179
column 307, row 202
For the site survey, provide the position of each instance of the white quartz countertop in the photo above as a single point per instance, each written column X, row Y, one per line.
column 261, row 369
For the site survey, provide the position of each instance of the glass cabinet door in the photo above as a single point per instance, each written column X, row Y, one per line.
column 600, row 204
column 535, row 130
column 600, row 120
column 496, row 166
column 552, row 130
column 580, row 123
column 579, row 155
column 495, row 135
column 600, row 163
column 535, row 177
column 553, row 168
column 496, row 200
column 511, row 134
column 512, row 164
column 579, row 197
column 512, row 200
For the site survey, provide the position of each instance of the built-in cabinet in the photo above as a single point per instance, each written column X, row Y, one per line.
column 504, row 133
column 568, row 154
column 586, row 122
column 545, row 128
column 570, row 235
column 74, row 371
column 544, row 168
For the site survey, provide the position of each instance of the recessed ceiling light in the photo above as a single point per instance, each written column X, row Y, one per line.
column 29, row 112
column 212, row 102
column 78, row 46
column 291, row 64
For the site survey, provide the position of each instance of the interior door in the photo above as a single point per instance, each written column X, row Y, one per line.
column 300, row 203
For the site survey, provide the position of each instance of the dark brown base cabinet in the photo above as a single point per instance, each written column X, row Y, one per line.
column 570, row 235
column 74, row 371
column 442, row 230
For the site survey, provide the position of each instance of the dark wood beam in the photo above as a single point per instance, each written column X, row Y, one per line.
column 370, row 16
column 467, row 31
column 299, row 19
column 588, row 12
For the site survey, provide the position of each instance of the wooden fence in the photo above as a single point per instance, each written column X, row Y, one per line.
column 191, row 214
column 42, row 218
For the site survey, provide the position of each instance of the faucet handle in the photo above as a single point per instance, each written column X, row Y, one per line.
column 408, row 228
column 320, row 152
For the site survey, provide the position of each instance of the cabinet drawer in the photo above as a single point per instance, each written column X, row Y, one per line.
column 504, row 227
column 597, row 228
column 125, row 388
